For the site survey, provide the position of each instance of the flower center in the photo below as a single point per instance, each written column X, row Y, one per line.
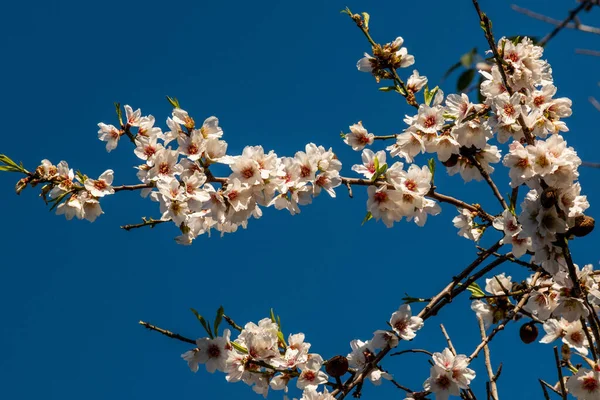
column 214, row 351
column 100, row 185
column 309, row 376
column 590, row 384
column 380, row 197
column 429, row 121
column 539, row 100
column 164, row 168
column 401, row 325
column 443, row 381
column 509, row 109
column 248, row 172
column 149, row 151
column 304, row 171
column 411, row 185
column 363, row 139
column 193, row 148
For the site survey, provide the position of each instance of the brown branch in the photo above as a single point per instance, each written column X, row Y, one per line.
column 133, row 187
column 566, row 23
column 445, row 333
column 468, row 393
column 505, row 321
column 431, row 194
column 486, row 25
column 147, row 222
column 560, row 374
column 594, row 102
column 488, row 361
column 386, row 137
column 489, row 181
column 587, row 52
column 167, row 333
column 437, row 302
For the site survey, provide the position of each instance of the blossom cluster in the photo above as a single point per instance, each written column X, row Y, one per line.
column 261, row 357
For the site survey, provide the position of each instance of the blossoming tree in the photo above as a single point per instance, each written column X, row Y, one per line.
column 201, row 187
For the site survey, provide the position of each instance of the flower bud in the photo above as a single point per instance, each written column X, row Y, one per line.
column 528, row 332
column 337, row 366
column 548, row 197
column 565, row 352
column 22, row 184
column 583, row 226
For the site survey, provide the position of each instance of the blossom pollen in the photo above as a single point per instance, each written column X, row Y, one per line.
column 430, row 121
column 309, row 375
column 149, row 151
column 443, row 381
column 380, row 197
column 100, row 185
column 411, row 185
column 401, row 325
column 509, row 109
column 214, row 351
column 248, row 172
column 193, row 148
column 164, row 168
column 539, row 100
column 304, row 171
column 590, row 384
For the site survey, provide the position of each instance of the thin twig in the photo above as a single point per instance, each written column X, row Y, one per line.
column 437, row 302
column 232, row 323
column 587, row 52
column 432, row 194
column 486, row 25
column 445, row 333
column 566, row 23
column 133, row 187
column 489, row 181
column 468, row 393
column 488, row 361
column 147, row 222
column 560, row 374
column 594, row 102
column 546, row 395
column 505, row 321
column 167, row 333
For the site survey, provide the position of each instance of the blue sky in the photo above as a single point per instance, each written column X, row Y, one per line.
column 280, row 74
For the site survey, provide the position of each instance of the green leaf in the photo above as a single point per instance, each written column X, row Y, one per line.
column 429, row 94
column 59, row 199
column 273, row 316
column 451, row 70
column 346, row 11
column 239, row 348
column 431, row 165
column 203, row 322
column 9, row 168
column 173, row 101
column 466, row 60
column 382, row 170
column 366, row 18
column 119, row 112
column 367, row 217
column 465, row 79
column 81, row 176
column 388, row 88
column 475, row 290
column 218, row 319
column 10, row 165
